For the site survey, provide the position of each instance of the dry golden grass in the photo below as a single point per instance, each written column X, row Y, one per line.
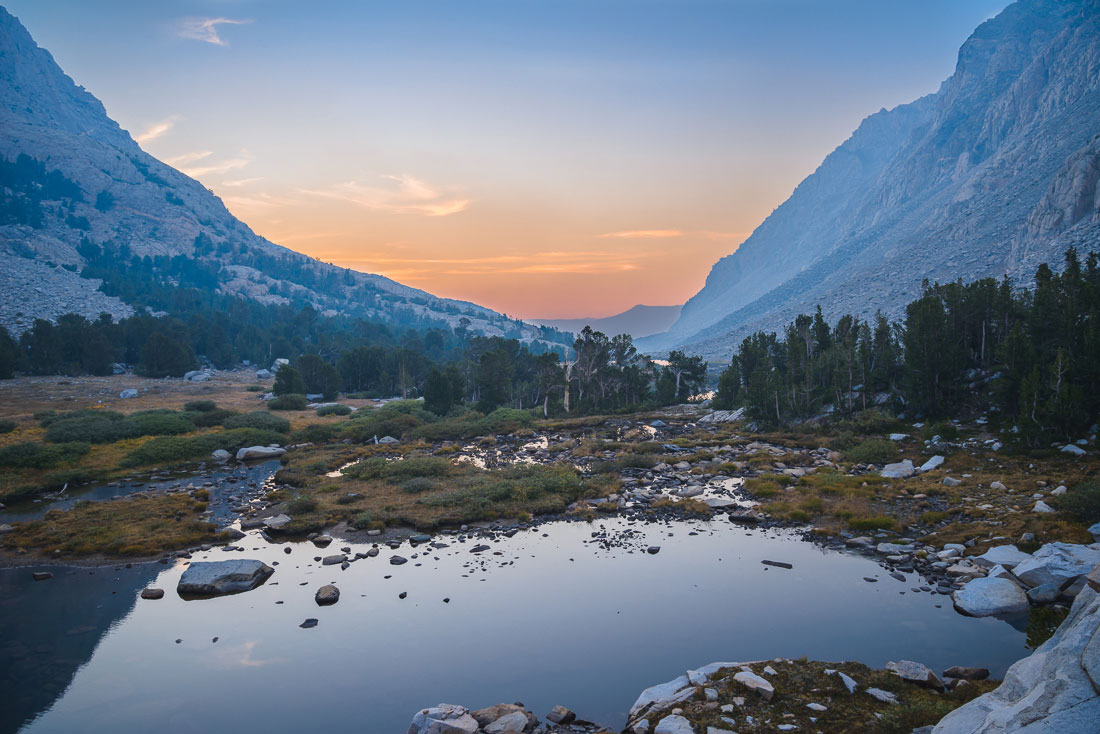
column 136, row 526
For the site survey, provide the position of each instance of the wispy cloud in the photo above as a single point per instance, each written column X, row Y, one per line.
column 406, row 195
column 225, row 166
column 186, row 158
column 535, row 263
column 156, row 130
column 242, row 181
column 206, row 29
column 642, row 234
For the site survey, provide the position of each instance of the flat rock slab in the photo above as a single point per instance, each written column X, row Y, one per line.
column 212, row 578
column 989, row 596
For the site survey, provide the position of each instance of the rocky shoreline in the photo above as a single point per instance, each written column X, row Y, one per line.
column 1056, row 688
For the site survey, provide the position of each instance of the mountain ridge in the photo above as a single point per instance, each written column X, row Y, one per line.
column 156, row 211
column 989, row 176
column 638, row 321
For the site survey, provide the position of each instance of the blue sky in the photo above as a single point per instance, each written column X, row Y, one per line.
column 551, row 159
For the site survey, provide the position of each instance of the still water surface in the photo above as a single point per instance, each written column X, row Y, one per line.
column 555, row 619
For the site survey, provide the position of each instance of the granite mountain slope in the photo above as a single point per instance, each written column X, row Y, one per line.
column 993, row 174
column 129, row 199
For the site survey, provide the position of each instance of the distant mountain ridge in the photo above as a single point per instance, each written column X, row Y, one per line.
column 638, row 321
column 129, row 199
column 993, row 174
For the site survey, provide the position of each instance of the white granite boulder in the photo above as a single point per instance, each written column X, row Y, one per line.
column 986, row 597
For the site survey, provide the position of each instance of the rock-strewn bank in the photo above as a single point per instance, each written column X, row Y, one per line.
column 1056, row 689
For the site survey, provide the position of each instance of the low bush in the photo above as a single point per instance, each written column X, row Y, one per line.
column 1082, row 502
column 872, row 451
column 7, row 426
column 290, row 401
column 301, row 505
column 200, row 406
column 211, row 418
column 419, row 485
column 314, row 433
column 259, row 419
column 398, row 471
column 36, row 455
column 107, row 426
column 334, row 410
column 170, row 449
column 255, row 388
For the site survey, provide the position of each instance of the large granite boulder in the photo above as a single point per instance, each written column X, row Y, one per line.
column 989, row 596
column 251, row 453
column 446, row 718
column 899, row 470
column 1055, row 689
column 1057, row 563
column 212, row 578
column 1008, row 556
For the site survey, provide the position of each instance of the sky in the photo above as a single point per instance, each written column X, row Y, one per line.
column 545, row 158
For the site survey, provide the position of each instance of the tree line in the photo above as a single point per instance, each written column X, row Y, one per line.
column 1029, row 357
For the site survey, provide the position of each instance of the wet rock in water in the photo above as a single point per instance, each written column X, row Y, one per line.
column 287, row 550
column 422, row 538
column 211, row 578
column 249, row 453
column 152, row 593
column 505, row 718
column 480, row 548
column 403, row 595
column 445, row 718
column 989, row 596
column 915, row 673
column 674, row 724
column 1044, row 594
column 754, row 682
column 957, row 671
column 278, row 522
column 653, row 550
column 1052, row 690
column 41, row 575
column 333, row 560
column 321, row 541
column 778, row 564
column 327, row 594
column 560, row 715
column 308, row 624
column 398, row 560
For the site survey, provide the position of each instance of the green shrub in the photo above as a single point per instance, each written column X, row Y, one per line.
column 362, row 521
column 944, row 430
column 211, row 418
column 255, row 388
column 290, row 401
column 314, row 433
column 200, row 406
column 334, row 410
column 7, row 426
column 36, row 455
column 398, row 471
column 260, row 419
column 1082, row 502
column 872, row 451
column 301, row 505
column 160, row 423
column 168, row 449
column 419, row 485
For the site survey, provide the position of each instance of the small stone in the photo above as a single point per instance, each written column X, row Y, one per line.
column 326, row 595
column 308, row 624
column 152, row 593
column 42, row 575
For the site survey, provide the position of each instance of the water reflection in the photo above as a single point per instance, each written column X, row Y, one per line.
column 582, row 617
